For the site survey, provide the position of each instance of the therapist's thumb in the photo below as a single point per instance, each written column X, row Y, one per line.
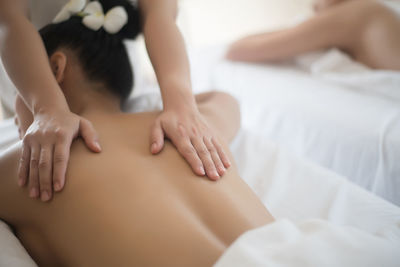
column 89, row 135
column 157, row 138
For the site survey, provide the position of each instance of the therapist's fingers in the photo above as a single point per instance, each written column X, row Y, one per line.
column 60, row 163
column 206, row 158
column 34, row 172
column 157, row 138
column 23, row 166
column 45, row 173
column 221, row 152
column 89, row 135
column 186, row 149
column 215, row 156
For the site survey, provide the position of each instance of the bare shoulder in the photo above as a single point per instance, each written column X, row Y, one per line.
column 221, row 111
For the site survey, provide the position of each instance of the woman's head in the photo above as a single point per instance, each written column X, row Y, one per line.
column 101, row 55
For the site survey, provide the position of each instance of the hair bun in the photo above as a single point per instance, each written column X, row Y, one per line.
column 133, row 27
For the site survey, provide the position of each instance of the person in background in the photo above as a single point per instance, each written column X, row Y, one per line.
column 365, row 29
column 47, row 142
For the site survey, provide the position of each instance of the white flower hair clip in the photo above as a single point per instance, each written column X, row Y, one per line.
column 93, row 15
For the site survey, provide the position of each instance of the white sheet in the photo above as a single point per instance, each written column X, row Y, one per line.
column 293, row 189
column 357, row 228
column 337, row 67
column 297, row 189
column 312, row 243
column 354, row 131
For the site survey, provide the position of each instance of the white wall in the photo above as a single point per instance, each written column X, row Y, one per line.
column 206, row 22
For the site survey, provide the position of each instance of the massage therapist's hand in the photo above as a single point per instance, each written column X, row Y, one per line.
column 189, row 132
column 46, row 148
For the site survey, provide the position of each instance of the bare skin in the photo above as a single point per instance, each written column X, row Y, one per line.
column 166, row 48
column 125, row 207
column 25, row 60
column 365, row 29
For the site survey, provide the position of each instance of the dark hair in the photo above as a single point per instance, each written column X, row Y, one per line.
column 103, row 56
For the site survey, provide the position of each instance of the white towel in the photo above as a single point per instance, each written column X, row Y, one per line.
column 311, row 243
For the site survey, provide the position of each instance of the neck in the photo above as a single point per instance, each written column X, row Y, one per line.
column 85, row 99
column 85, row 96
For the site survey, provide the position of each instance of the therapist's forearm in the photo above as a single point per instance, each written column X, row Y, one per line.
column 26, row 62
column 167, row 52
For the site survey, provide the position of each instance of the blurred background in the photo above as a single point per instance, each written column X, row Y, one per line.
column 209, row 23
column 215, row 22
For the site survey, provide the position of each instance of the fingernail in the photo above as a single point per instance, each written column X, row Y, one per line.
column 153, row 147
column 57, row 186
column 222, row 170
column 45, row 196
column 202, row 171
column 97, row 145
column 20, row 182
column 215, row 174
column 33, row 193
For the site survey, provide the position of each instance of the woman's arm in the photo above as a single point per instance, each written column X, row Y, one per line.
column 27, row 65
column 167, row 51
column 331, row 28
column 48, row 140
column 180, row 121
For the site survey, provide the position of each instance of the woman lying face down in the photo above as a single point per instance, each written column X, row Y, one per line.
column 366, row 30
column 123, row 207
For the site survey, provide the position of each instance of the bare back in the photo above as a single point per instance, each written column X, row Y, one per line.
column 125, row 207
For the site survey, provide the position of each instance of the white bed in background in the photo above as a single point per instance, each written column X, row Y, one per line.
column 341, row 115
column 314, row 108
column 321, row 217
